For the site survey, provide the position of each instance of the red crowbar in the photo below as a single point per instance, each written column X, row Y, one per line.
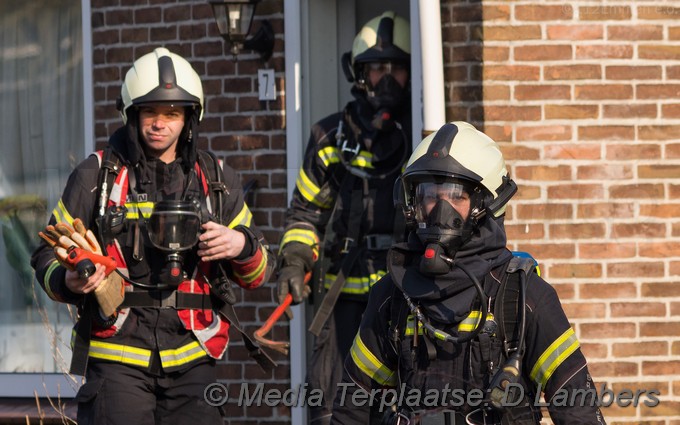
column 280, row 346
column 259, row 335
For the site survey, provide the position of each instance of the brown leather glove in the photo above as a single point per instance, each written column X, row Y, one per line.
column 111, row 291
column 62, row 236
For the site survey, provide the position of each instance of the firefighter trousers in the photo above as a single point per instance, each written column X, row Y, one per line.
column 328, row 356
column 116, row 394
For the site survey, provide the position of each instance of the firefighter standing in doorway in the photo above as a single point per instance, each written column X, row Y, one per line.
column 341, row 207
column 458, row 313
column 178, row 227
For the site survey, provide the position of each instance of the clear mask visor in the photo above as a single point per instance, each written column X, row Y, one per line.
column 429, row 193
column 174, row 226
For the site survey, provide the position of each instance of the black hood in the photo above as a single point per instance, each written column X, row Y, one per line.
column 449, row 298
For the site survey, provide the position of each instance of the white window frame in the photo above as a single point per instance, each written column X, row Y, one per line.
column 58, row 385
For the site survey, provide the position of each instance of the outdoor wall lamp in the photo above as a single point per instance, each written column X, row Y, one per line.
column 234, row 19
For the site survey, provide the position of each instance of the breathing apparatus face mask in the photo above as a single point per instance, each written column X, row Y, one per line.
column 387, row 95
column 173, row 228
column 442, row 212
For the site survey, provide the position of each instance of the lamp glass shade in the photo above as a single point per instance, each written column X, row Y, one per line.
column 233, row 19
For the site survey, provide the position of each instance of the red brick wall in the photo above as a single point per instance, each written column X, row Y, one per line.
column 247, row 133
column 584, row 98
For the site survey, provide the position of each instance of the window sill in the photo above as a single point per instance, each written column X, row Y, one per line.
column 24, row 411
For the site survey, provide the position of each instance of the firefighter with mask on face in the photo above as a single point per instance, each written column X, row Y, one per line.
column 461, row 330
column 165, row 229
column 341, row 209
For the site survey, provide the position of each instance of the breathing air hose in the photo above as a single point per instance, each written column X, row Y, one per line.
column 438, row 333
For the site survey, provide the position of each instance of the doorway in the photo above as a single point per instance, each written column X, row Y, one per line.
column 328, row 30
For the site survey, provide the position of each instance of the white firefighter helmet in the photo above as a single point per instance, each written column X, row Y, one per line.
column 161, row 76
column 385, row 38
column 458, row 152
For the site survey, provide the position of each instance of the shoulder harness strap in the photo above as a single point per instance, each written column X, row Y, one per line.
column 109, row 167
column 506, row 306
column 213, row 183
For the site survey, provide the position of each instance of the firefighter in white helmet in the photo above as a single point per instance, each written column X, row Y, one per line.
column 341, row 209
column 179, row 230
column 461, row 330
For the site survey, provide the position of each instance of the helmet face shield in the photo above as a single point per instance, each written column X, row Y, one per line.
column 428, row 194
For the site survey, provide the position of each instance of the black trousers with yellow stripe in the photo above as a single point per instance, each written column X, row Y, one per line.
column 116, row 394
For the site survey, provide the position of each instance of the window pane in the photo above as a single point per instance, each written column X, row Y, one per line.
column 41, row 98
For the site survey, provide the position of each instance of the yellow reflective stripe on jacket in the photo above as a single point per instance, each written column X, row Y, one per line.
column 309, row 190
column 134, row 209
column 48, row 274
column 120, row 353
column 356, row 285
column 307, row 237
column 182, row 355
column 370, row 365
column 553, row 356
column 252, row 276
column 243, row 218
column 329, row 155
column 470, row 322
column 61, row 213
column 467, row 325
